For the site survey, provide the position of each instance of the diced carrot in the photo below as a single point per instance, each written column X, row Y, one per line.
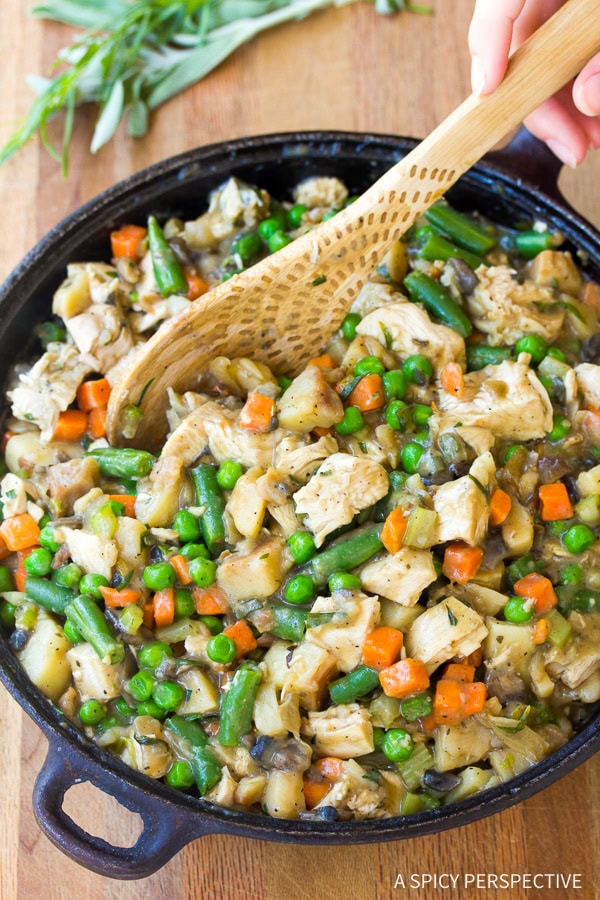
column 500, row 506
column 318, row 431
column 196, row 285
column 330, row 768
column 473, row 697
column 427, row 723
column 148, row 611
column 119, row 597
column 258, row 412
column 555, row 502
column 5, row 439
column 459, row 672
column 538, row 588
column 210, row 601
column 71, row 425
column 4, row 551
column 180, row 564
column 324, row 361
column 455, row 700
column 127, row 241
column 461, row 562
column 406, row 677
column 19, row 532
column 314, row 791
column 91, row 394
column 242, row 636
column 394, row 528
column 20, row 575
column 97, row 422
column 126, row 500
column 382, row 647
column 368, row 394
column 540, row 631
column 452, row 379
column 475, row 658
column 164, row 607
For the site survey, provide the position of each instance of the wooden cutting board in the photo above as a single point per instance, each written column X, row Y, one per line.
column 348, row 69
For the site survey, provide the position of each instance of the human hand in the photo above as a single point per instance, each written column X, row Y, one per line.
column 569, row 122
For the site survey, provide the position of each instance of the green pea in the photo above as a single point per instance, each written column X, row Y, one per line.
column 247, row 246
column 571, row 574
column 46, row 538
column 123, row 708
column 378, row 736
column 284, row 382
column 109, row 722
column 395, row 384
column 353, row 421
column 6, row 579
column 417, row 369
column 71, row 633
column 151, row 708
column 195, row 551
column 168, row 695
column 202, row 571
column 349, row 325
column 578, row 538
column 410, row 457
column 213, row 623
column 295, row 215
column 278, row 240
column 221, row 649
column 184, row 603
column 510, row 452
column 151, row 655
column 91, row 712
column 398, row 415
column 228, row 473
column 302, row 546
column 369, row 365
column 344, row 581
column 39, row 562
column 140, row 685
column 180, row 775
column 45, row 520
column 186, row 525
column 91, row 584
column 68, row 576
column 299, row 589
column 560, row 428
column 555, row 353
column 421, row 414
column 7, row 613
column 534, row 344
column 558, row 527
column 417, row 706
column 159, row 576
column 329, row 215
column 397, row 745
column 268, row 227
column 517, row 611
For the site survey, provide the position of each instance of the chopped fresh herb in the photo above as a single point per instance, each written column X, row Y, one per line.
column 320, row 279
column 451, row 617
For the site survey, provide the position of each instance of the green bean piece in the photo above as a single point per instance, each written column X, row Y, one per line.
column 437, row 300
column 480, row 355
column 460, row 228
column 529, row 243
column 6, row 578
column 188, row 730
column 123, row 462
column 53, row 597
column 208, row 495
column 355, row 684
column 346, row 553
column 238, row 705
column 437, row 247
column 87, row 618
column 167, row 271
column 288, row 623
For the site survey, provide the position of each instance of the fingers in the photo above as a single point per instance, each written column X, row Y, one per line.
column 490, row 36
column 562, row 127
column 586, row 90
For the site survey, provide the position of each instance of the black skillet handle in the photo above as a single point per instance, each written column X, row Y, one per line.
column 527, row 158
column 167, row 828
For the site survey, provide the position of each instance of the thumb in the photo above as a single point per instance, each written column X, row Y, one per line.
column 586, row 90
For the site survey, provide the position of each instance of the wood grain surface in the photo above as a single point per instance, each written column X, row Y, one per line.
column 345, row 68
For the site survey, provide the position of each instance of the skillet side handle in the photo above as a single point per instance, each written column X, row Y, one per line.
column 528, row 158
column 166, row 829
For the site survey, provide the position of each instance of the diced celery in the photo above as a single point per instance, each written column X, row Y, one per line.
column 414, row 803
column 104, row 523
column 131, row 618
column 413, row 768
column 26, row 615
column 384, row 710
column 550, row 367
column 559, row 630
column 421, row 528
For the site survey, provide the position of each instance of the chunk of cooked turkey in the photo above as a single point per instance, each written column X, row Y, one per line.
column 556, row 269
column 49, row 387
column 449, row 629
column 354, row 617
column 151, row 309
column 462, row 505
column 240, row 375
column 588, row 382
column 102, row 331
column 146, row 748
column 309, row 402
column 94, row 679
column 322, row 190
column 508, row 399
column 13, row 495
column 407, row 329
column 354, row 792
column 344, row 731
column 374, row 295
column 90, row 552
column 461, row 745
column 68, row 481
column 401, row 576
column 342, row 486
column 213, row 428
column 580, row 657
column 246, row 506
column 508, row 648
column 308, row 674
column 300, row 460
column 256, row 573
column 157, row 499
column 505, row 310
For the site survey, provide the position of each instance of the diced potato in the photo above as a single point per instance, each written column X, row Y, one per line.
column 517, row 529
column 473, row 780
column 396, row 616
column 158, row 495
column 557, row 269
column 146, row 748
column 26, row 450
column 484, row 600
column 44, row 657
column 250, row 790
column 309, row 402
column 272, row 717
column 94, row 679
column 309, row 672
column 344, row 731
column 128, row 538
column 73, row 295
column 462, row 744
column 589, row 482
column 246, row 506
column 223, row 792
column 275, row 663
column 202, row 695
column 395, row 792
column 508, row 646
column 256, row 574
column 356, row 616
column 283, row 797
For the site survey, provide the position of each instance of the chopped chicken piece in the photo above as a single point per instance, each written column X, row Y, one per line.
column 355, row 616
column 580, row 657
column 505, row 310
column 556, row 269
column 342, row 487
column 407, row 329
column 461, row 745
column 102, row 331
column 463, row 506
column 343, row 731
column 49, row 387
column 308, row 673
column 245, row 505
column 324, row 191
column 449, row 629
column 401, row 576
column 147, row 750
column 157, row 499
column 373, row 296
column 68, row 481
column 588, row 382
column 300, row 460
column 356, row 793
column 14, row 493
column 90, row 552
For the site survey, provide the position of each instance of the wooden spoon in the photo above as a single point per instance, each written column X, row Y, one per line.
column 283, row 309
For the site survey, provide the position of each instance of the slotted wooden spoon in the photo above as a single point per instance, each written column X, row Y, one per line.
column 284, row 308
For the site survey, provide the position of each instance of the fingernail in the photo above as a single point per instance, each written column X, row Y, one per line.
column 564, row 153
column 590, row 104
column 477, row 75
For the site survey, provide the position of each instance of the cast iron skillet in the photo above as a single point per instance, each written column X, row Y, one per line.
column 518, row 182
